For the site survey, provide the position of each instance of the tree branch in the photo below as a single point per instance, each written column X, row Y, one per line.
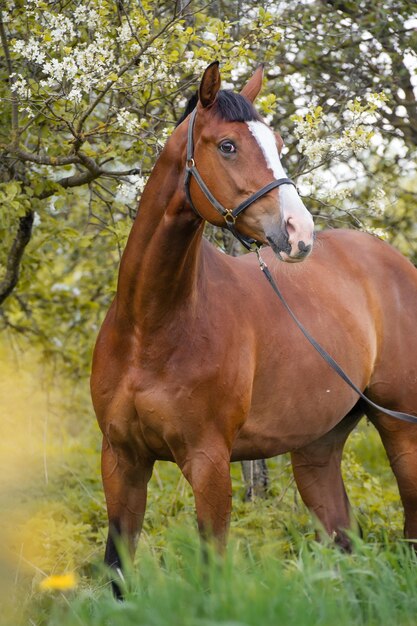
column 15, row 110
column 123, row 70
column 43, row 160
column 14, row 258
column 83, row 178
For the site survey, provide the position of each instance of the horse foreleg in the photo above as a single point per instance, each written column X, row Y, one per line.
column 317, row 471
column 400, row 442
column 207, row 469
column 125, row 480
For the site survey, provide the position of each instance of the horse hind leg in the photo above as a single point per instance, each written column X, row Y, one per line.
column 317, row 472
column 400, row 442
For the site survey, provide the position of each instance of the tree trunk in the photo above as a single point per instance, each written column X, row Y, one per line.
column 255, row 475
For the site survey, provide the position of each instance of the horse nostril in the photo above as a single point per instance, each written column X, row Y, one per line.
column 290, row 228
column 303, row 248
column 279, row 242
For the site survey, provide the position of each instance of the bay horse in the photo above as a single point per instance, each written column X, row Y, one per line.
column 198, row 363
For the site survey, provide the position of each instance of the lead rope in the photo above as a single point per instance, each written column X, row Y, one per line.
column 325, row 355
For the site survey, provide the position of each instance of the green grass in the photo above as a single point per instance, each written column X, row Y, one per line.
column 273, row 573
column 375, row 585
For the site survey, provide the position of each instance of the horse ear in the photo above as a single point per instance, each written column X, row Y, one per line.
column 254, row 84
column 210, row 84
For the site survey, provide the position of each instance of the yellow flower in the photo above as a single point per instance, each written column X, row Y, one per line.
column 60, row 582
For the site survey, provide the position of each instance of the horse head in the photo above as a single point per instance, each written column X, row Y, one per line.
column 234, row 173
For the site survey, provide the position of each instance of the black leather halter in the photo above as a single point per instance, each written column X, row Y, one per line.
column 229, row 215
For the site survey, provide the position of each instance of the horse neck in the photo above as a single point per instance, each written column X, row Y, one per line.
column 160, row 264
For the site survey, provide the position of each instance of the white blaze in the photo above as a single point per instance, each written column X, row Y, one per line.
column 266, row 141
column 291, row 203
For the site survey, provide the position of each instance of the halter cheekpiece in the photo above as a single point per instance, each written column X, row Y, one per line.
column 229, row 215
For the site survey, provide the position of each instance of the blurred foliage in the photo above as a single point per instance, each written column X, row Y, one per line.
column 90, row 91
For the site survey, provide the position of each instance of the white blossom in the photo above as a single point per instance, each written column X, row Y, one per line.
column 378, row 232
column 62, row 29
column 124, row 32
column 163, row 136
column 51, row 208
column 31, row 50
column 28, row 111
column 60, row 287
column 127, row 121
column 376, row 99
column 20, row 86
column 86, row 16
column 353, row 138
column 128, row 191
column 75, row 95
column 82, row 69
column 377, row 203
column 337, row 194
column 209, row 36
column 240, row 69
column 314, row 150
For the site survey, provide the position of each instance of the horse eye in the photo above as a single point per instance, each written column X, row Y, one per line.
column 227, row 147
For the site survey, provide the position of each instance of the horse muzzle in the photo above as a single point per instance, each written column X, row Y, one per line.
column 292, row 238
column 291, row 244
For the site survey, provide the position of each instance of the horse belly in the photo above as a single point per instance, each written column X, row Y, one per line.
column 280, row 433
column 296, row 407
column 297, row 398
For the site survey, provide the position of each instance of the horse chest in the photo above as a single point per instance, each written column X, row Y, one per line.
column 178, row 402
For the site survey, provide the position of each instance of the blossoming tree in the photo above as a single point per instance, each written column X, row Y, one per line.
column 90, row 91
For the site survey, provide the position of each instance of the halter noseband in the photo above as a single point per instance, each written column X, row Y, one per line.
column 229, row 215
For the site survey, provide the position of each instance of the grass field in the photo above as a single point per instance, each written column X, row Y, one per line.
column 53, row 523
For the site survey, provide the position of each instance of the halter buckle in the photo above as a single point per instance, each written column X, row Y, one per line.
column 262, row 263
column 190, row 163
column 229, row 218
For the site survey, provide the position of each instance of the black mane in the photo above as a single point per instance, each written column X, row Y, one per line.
column 230, row 106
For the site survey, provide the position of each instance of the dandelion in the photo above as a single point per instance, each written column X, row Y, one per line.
column 59, row 582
